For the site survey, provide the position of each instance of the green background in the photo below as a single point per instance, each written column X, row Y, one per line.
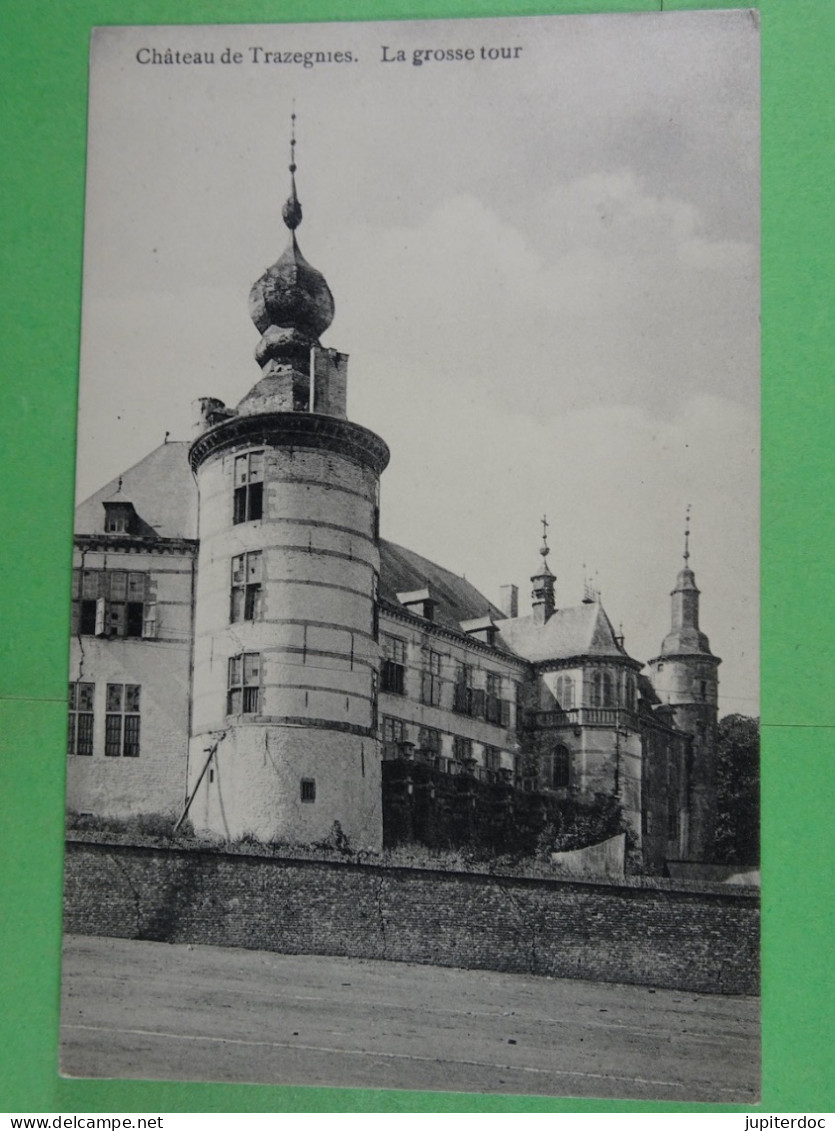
column 43, row 92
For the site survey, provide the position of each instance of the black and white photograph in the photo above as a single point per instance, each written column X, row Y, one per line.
column 414, row 664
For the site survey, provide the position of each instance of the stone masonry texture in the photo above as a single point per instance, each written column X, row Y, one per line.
column 659, row 935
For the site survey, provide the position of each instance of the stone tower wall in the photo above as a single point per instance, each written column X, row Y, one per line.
column 314, row 634
column 690, row 685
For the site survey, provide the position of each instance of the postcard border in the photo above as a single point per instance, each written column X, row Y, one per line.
column 46, row 79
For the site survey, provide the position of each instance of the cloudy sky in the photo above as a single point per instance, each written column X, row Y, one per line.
column 546, row 272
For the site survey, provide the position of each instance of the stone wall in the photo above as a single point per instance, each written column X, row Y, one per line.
column 657, row 934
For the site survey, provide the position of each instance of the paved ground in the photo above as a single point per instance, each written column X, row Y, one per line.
column 152, row 1010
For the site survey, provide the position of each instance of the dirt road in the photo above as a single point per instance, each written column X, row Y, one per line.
column 152, row 1010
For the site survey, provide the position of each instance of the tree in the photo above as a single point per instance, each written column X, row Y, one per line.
column 738, row 790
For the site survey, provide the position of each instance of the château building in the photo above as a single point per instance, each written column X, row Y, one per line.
column 246, row 648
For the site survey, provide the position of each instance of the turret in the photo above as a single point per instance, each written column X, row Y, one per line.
column 685, row 677
column 543, row 602
column 284, row 742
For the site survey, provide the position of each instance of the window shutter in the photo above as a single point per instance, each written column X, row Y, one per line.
column 101, row 617
column 118, row 585
column 149, row 623
column 137, row 584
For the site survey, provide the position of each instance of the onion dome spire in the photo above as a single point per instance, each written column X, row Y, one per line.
column 291, row 304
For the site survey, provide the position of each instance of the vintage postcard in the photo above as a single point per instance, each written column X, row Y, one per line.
column 413, row 688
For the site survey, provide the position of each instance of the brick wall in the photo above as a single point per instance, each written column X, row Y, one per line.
column 660, row 935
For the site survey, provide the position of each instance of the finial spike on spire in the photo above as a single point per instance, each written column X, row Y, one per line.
column 687, row 535
column 292, row 210
column 545, row 524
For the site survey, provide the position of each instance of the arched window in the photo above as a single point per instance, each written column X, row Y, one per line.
column 562, row 767
column 596, row 691
column 607, row 691
column 602, row 690
column 564, row 691
column 629, row 690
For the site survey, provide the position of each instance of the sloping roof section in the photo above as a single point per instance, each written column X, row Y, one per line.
column 582, row 630
column 162, row 490
column 403, row 571
column 163, row 493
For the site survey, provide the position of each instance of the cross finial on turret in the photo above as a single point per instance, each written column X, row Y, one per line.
column 545, row 524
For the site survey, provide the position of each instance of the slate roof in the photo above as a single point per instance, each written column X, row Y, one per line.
column 164, row 495
column 162, row 490
column 580, row 630
column 404, row 571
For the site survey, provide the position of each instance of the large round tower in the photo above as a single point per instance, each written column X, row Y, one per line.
column 685, row 676
column 283, row 732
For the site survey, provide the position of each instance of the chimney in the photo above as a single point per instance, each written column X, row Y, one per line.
column 509, row 600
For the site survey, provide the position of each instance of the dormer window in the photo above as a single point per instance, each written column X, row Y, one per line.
column 119, row 517
column 482, row 628
column 420, row 602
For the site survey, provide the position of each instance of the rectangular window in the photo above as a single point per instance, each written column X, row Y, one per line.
column 110, row 603
column 672, row 820
column 121, row 721
column 431, row 682
column 478, row 707
column 393, row 733
column 462, row 748
column 80, row 730
column 375, row 516
column 375, row 606
column 394, row 665
column 87, row 619
column 430, row 741
column 492, row 704
column 244, row 686
column 492, row 759
column 463, row 690
column 308, row 789
column 246, row 587
column 374, row 700
column 249, row 487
